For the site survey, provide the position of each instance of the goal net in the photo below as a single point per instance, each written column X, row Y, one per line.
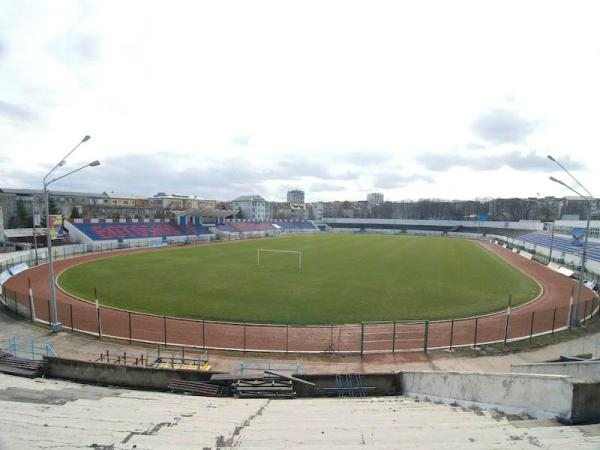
column 259, row 251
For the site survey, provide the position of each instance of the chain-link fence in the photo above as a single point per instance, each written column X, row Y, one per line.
column 370, row 337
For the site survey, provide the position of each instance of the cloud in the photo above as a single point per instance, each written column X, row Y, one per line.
column 293, row 168
column 368, row 157
column 503, row 126
column 393, row 180
column 326, row 187
column 17, row 113
column 76, row 48
column 175, row 173
column 3, row 49
column 515, row 160
column 242, row 140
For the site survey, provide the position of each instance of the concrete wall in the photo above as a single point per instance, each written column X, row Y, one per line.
column 581, row 370
column 375, row 383
column 118, row 375
column 586, row 402
column 540, row 396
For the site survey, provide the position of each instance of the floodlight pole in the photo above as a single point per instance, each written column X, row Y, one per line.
column 53, row 319
column 555, row 213
column 589, row 200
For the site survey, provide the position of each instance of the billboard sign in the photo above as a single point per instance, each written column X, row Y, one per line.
column 56, row 226
column 578, row 236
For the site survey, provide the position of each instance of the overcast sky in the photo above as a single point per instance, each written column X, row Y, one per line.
column 448, row 99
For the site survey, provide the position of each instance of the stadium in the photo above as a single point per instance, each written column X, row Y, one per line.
column 299, row 226
column 203, row 282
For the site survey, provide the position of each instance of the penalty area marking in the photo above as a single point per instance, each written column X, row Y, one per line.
column 297, row 252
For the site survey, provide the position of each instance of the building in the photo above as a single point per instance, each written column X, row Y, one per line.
column 252, row 207
column 295, row 211
column 18, row 205
column 128, row 200
column 375, row 198
column 315, row 211
column 295, row 196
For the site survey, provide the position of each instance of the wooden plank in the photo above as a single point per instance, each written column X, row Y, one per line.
column 290, row 378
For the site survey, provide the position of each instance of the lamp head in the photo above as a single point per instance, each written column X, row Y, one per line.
column 94, row 163
column 62, row 163
column 86, row 138
column 551, row 158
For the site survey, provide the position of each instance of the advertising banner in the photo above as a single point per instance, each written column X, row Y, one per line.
column 56, row 226
column 578, row 236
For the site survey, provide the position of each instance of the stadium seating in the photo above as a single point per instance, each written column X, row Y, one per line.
column 561, row 244
column 227, row 227
column 111, row 231
column 247, row 227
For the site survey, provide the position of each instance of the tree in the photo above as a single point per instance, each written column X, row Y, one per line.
column 52, row 206
column 24, row 218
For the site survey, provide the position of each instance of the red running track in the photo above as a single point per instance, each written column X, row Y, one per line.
column 547, row 312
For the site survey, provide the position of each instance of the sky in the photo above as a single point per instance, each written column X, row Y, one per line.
column 414, row 99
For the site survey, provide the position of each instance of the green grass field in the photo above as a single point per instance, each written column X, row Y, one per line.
column 345, row 279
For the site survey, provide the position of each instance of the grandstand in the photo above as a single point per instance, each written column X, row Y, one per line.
column 561, row 244
column 134, row 232
column 243, row 226
column 108, row 231
column 466, row 228
column 126, row 232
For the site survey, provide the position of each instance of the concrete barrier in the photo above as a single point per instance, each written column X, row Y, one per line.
column 376, row 383
column 581, row 370
column 119, row 375
column 539, row 396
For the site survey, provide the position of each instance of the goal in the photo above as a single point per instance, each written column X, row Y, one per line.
column 266, row 250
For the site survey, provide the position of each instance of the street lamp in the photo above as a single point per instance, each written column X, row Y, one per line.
column 589, row 200
column 555, row 213
column 54, row 323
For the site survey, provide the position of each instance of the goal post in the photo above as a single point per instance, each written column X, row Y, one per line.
column 266, row 250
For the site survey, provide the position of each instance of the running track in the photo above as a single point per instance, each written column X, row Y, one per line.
column 550, row 310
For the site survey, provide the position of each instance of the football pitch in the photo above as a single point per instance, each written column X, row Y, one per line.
column 345, row 278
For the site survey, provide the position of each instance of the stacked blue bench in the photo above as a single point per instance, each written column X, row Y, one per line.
column 141, row 230
column 561, row 244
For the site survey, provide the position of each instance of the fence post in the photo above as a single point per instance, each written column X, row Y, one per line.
column 287, row 333
column 129, row 320
column 49, row 320
column 507, row 318
column 394, row 338
column 426, row 337
column 331, row 337
column 16, row 307
column 71, row 316
column 31, row 306
column 570, row 313
column 570, row 309
column 99, row 326
column 362, row 338
column 531, row 330
column 165, row 328
column 476, row 326
column 451, row 333
column 553, row 321
column 203, row 344
column 244, row 336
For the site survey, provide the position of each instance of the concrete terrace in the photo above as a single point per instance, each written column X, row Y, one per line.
column 40, row 413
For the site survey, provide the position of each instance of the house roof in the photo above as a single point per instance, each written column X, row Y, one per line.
column 126, row 196
column 53, row 192
column 249, row 198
